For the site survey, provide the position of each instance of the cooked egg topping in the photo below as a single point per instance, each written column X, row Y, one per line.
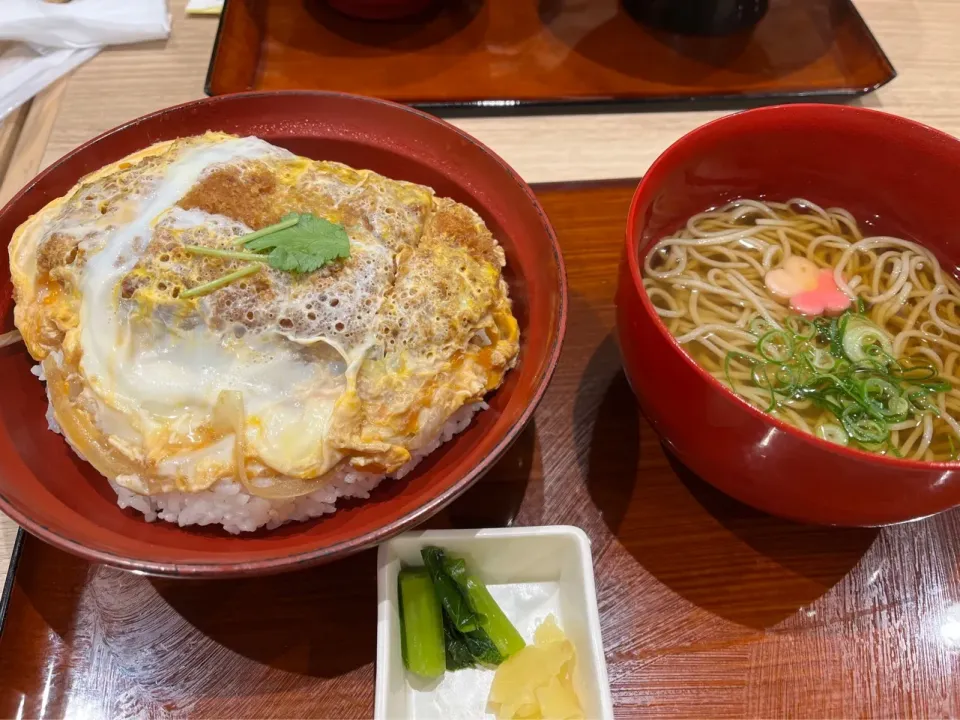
column 279, row 379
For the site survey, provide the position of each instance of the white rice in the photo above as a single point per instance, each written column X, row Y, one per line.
column 227, row 503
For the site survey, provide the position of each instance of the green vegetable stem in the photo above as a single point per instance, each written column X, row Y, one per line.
column 492, row 619
column 421, row 624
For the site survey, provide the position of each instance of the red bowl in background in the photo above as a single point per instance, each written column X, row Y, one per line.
column 899, row 174
column 64, row 501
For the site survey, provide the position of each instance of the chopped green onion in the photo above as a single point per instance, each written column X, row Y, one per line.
column 726, row 370
column 845, row 366
column 859, row 334
column 759, row 326
column 832, row 433
column 863, row 428
column 786, row 378
column 735, row 356
column 761, row 378
column 776, row 346
column 889, row 402
column 913, row 373
column 801, row 327
column 922, row 402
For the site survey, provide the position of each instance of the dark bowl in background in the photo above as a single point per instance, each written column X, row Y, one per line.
column 381, row 9
column 698, row 17
column 898, row 174
column 48, row 490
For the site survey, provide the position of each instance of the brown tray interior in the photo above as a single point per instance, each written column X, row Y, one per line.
column 708, row 608
column 498, row 55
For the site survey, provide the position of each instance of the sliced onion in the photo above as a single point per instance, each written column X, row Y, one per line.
column 287, row 488
column 10, row 338
column 229, row 416
column 81, row 432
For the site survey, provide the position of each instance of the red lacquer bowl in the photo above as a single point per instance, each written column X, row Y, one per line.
column 61, row 499
column 900, row 175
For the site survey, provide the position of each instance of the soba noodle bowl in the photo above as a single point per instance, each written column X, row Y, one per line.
column 853, row 338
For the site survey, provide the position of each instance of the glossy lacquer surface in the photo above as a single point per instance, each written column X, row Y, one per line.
column 494, row 55
column 897, row 177
column 709, row 608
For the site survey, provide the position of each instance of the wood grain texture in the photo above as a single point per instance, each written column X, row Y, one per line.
column 31, row 141
column 10, row 128
column 124, row 82
column 708, row 608
column 895, row 578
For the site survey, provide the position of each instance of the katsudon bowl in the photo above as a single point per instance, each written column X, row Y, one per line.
column 62, row 499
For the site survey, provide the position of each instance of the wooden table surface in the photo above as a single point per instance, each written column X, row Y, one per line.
column 918, row 36
column 708, row 608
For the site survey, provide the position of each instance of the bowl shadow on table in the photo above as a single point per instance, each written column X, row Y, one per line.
column 322, row 622
column 729, row 559
column 495, row 500
column 610, row 34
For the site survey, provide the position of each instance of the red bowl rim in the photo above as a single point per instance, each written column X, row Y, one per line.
column 661, row 166
column 369, row 539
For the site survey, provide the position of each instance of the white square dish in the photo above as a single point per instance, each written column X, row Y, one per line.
column 531, row 572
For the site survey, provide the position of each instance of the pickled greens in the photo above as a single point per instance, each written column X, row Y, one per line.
column 448, row 618
column 421, row 624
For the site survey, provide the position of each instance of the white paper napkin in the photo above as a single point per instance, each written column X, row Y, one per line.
column 25, row 71
column 47, row 40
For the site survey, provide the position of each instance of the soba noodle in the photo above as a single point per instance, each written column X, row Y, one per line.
column 707, row 283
